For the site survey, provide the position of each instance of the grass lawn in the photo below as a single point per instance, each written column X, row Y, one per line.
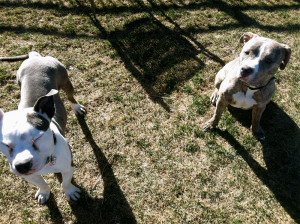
column 145, row 71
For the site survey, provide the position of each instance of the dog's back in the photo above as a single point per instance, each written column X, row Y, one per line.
column 37, row 76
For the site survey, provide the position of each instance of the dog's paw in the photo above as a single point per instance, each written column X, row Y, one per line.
column 42, row 196
column 208, row 126
column 72, row 193
column 214, row 98
column 78, row 109
column 260, row 134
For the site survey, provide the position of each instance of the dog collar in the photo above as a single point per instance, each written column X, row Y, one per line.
column 52, row 161
column 256, row 88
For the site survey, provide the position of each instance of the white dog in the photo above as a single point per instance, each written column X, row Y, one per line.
column 32, row 137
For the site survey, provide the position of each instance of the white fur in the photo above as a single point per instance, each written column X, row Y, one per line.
column 29, row 148
column 244, row 100
column 17, row 134
column 253, row 62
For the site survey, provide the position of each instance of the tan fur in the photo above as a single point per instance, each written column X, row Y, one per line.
column 265, row 56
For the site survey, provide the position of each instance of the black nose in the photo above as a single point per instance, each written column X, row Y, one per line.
column 24, row 167
column 245, row 71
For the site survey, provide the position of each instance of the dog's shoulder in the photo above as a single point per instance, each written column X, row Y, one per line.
column 228, row 70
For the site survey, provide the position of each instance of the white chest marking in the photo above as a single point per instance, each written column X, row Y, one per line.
column 244, row 100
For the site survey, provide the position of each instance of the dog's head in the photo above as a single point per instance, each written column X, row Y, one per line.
column 260, row 59
column 25, row 136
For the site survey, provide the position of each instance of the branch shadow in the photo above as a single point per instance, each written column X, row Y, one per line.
column 55, row 215
column 113, row 207
column 234, row 10
column 243, row 20
column 158, row 57
column 281, row 154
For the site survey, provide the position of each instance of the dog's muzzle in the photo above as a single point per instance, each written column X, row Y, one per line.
column 246, row 71
column 24, row 168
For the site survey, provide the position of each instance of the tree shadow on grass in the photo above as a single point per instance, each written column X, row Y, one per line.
column 281, row 155
column 112, row 208
column 157, row 57
column 160, row 58
column 56, row 216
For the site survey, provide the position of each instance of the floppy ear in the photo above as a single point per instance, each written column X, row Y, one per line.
column 45, row 104
column 287, row 55
column 247, row 36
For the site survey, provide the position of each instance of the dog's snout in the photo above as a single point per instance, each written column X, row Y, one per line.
column 24, row 168
column 245, row 71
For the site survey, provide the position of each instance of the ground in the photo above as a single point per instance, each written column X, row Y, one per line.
column 145, row 71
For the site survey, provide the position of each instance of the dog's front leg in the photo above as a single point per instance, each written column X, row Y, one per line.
column 214, row 121
column 44, row 190
column 214, row 97
column 256, row 116
column 72, row 192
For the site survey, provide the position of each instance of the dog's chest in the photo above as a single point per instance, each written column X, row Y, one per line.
column 244, row 100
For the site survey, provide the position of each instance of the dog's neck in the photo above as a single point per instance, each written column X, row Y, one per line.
column 256, row 88
column 52, row 159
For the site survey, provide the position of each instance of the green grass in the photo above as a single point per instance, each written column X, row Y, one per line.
column 145, row 71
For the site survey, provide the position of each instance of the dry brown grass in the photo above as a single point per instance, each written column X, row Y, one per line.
column 145, row 70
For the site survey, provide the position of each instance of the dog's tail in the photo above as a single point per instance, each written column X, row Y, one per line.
column 16, row 58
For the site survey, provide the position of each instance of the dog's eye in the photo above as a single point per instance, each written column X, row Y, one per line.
column 34, row 141
column 35, row 147
column 247, row 52
column 5, row 145
column 9, row 147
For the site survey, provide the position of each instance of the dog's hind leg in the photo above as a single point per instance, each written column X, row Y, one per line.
column 69, row 89
column 72, row 192
column 44, row 190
